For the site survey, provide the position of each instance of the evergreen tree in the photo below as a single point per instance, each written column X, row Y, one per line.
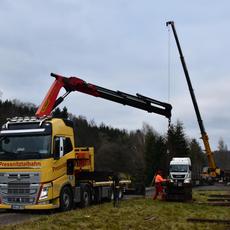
column 177, row 143
column 222, row 147
column 139, row 153
column 15, row 108
column 222, row 155
column 150, row 167
column 58, row 113
column 197, row 156
column 155, row 153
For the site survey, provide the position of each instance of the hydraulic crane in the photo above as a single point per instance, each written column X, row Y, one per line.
column 214, row 171
column 76, row 84
column 41, row 153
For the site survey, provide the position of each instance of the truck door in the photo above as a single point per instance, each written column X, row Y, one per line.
column 62, row 151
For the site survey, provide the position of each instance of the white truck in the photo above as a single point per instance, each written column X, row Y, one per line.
column 179, row 186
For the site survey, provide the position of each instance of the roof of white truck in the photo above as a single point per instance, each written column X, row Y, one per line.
column 181, row 160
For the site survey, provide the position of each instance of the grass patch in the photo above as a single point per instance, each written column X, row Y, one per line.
column 133, row 214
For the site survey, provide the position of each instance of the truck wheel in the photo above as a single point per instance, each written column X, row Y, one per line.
column 85, row 196
column 66, row 199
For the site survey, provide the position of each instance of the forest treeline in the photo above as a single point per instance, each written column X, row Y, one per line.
column 137, row 153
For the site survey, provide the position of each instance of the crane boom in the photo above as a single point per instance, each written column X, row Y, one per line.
column 76, row 84
column 204, row 135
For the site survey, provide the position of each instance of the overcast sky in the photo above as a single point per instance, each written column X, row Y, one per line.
column 121, row 45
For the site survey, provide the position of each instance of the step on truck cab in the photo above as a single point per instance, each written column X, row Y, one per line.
column 180, row 179
column 40, row 167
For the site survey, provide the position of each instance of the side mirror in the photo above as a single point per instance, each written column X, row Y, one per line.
column 58, row 148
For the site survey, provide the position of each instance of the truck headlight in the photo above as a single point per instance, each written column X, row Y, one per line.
column 187, row 181
column 45, row 191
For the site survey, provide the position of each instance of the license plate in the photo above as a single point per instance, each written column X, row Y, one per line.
column 18, row 207
column 179, row 184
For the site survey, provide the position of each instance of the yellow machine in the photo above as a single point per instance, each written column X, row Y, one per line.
column 213, row 171
column 40, row 168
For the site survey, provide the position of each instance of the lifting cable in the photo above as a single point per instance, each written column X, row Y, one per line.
column 169, row 63
column 169, row 87
column 169, row 71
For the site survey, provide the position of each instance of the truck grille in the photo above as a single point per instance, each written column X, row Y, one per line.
column 19, row 188
column 18, row 191
column 178, row 176
column 16, row 176
column 20, row 200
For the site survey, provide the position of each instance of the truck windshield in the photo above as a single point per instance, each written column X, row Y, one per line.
column 25, row 147
column 178, row 168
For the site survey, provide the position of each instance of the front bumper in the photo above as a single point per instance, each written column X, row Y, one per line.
column 45, row 206
column 29, row 207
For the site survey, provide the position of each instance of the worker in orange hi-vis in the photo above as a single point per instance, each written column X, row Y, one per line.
column 158, row 179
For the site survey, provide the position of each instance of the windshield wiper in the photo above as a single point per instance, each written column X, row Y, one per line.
column 8, row 155
column 29, row 155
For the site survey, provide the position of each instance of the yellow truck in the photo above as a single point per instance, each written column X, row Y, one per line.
column 40, row 168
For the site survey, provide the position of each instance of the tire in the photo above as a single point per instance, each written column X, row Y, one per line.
column 85, row 196
column 66, row 199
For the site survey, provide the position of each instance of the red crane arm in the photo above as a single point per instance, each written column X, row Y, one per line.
column 70, row 84
column 77, row 84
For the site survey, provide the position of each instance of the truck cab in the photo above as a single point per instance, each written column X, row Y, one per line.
column 180, row 170
column 33, row 162
column 180, row 177
column 40, row 168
